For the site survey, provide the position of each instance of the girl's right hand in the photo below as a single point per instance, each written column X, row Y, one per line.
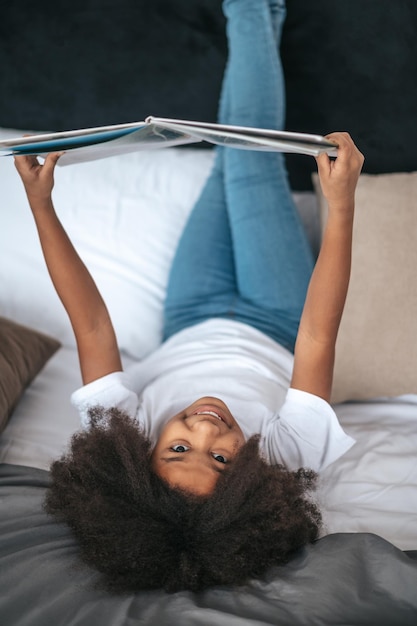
column 37, row 179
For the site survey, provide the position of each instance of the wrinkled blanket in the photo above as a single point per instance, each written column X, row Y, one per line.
column 344, row 579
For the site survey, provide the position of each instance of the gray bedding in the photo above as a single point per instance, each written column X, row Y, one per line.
column 349, row 579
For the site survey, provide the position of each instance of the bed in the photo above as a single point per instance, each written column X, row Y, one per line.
column 125, row 215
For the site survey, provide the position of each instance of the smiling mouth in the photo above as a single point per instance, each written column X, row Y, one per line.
column 212, row 413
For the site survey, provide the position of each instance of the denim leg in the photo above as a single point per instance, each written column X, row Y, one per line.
column 202, row 280
column 273, row 260
column 243, row 252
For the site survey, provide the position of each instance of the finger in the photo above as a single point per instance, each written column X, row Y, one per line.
column 348, row 151
column 25, row 162
column 340, row 137
column 323, row 164
column 50, row 162
column 30, row 159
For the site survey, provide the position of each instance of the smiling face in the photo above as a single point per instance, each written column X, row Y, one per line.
column 196, row 445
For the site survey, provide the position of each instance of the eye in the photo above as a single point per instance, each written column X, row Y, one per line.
column 220, row 458
column 179, row 448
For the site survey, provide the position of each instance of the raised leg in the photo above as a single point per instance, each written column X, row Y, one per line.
column 202, row 281
column 243, row 252
column 273, row 260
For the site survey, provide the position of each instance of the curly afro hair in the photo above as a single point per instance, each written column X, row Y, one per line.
column 140, row 533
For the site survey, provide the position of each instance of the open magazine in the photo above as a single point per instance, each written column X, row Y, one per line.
column 89, row 144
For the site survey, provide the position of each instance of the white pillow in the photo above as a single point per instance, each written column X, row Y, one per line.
column 125, row 216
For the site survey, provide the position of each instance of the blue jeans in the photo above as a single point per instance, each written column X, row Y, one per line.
column 243, row 253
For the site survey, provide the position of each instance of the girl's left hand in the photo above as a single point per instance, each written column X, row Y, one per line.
column 339, row 177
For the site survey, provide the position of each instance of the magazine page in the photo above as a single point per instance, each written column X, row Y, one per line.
column 66, row 139
column 148, row 137
column 251, row 138
column 95, row 143
column 89, row 144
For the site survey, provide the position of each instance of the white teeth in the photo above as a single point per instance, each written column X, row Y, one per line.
column 209, row 413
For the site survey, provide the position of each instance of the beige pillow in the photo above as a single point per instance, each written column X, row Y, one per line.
column 23, row 353
column 376, row 350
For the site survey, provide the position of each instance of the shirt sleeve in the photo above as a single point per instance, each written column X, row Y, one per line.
column 111, row 391
column 306, row 433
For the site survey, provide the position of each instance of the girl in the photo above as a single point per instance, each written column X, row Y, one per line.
column 194, row 468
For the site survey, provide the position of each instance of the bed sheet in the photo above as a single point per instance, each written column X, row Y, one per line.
column 125, row 216
column 357, row 579
column 372, row 488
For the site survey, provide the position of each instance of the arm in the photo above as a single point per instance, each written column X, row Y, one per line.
column 315, row 346
column 96, row 341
